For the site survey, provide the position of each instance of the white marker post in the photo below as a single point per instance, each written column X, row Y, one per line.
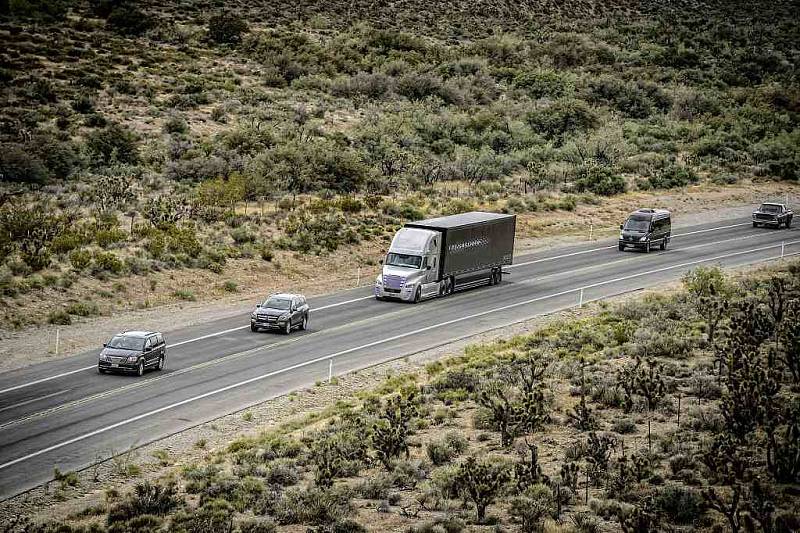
column 783, row 246
column 580, row 299
column 358, row 279
column 591, row 230
column 58, row 331
column 330, row 370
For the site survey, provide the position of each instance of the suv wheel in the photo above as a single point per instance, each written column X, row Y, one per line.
column 621, row 247
column 140, row 369
column 755, row 224
column 647, row 247
column 100, row 370
column 160, row 365
column 253, row 328
column 664, row 244
column 788, row 222
column 288, row 328
column 304, row 323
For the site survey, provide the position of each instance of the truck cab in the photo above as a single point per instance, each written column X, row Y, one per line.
column 410, row 270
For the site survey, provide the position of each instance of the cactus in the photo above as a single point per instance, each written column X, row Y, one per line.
column 783, row 445
column 598, row 453
column 390, row 433
column 481, row 483
column 528, row 472
column 569, row 475
column 729, row 462
column 582, row 416
column 789, row 355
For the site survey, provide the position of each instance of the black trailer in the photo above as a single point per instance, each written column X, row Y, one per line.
column 474, row 244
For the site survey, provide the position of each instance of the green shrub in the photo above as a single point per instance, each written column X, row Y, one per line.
column 20, row 165
column 258, row 526
column 542, row 83
column 59, row 317
column 230, row 286
column 146, row 499
column 184, row 294
column 107, row 237
column 562, row 117
column 80, row 259
column 127, row 19
column 671, row 177
column 107, row 262
column 113, row 144
column 226, row 28
column 242, row 235
column 681, row 504
column 176, row 124
column 213, row 515
column 600, row 180
column 313, row 506
column 83, row 309
column 624, row 426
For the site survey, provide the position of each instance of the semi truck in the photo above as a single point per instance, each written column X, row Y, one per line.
column 435, row 257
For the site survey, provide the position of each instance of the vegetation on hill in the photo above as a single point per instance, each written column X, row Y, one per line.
column 138, row 136
column 664, row 413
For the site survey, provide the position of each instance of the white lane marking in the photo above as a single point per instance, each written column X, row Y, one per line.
column 218, row 333
column 26, row 402
column 370, row 345
column 583, row 252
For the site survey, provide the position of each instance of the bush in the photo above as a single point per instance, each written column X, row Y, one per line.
column 542, row 83
column 214, row 515
column 226, row 28
column 184, row 294
column 146, row 499
column 681, row 504
column 313, row 505
column 176, row 124
column 624, row 426
column 562, row 117
column 59, row 317
column 83, row 309
column 17, row 164
column 445, row 450
column 258, row 526
column 107, row 262
column 113, row 144
column 671, row 177
column 80, row 259
column 127, row 19
column 600, row 180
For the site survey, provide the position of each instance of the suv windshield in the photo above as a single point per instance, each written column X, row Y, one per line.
column 637, row 224
column 770, row 208
column 126, row 343
column 278, row 303
column 403, row 260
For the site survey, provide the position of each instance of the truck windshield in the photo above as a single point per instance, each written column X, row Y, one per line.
column 126, row 343
column 637, row 224
column 770, row 208
column 403, row 260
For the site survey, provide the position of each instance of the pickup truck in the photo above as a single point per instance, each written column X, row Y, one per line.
column 771, row 214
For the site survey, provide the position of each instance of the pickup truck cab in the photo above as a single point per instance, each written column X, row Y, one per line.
column 772, row 214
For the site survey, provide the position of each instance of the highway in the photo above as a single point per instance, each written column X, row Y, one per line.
column 64, row 414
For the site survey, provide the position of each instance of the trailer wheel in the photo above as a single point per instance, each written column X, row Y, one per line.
column 499, row 276
column 451, row 285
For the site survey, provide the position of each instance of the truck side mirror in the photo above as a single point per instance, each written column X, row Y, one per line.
column 620, row 226
column 380, row 262
column 258, row 304
column 428, row 267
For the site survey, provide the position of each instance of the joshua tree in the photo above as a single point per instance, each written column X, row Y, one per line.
column 481, row 483
column 390, row 433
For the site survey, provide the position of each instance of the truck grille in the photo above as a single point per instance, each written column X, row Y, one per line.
column 116, row 359
column 762, row 216
column 267, row 318
column 393, row 282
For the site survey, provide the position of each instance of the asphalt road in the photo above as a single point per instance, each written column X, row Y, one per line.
column 64, row 414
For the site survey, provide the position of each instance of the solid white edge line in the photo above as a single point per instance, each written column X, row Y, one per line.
column 370, row 345
column 210, row 335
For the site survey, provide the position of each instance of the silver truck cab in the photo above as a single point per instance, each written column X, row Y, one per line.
column 410, row 269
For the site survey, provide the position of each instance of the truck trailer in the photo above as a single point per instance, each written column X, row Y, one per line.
column 437, row 256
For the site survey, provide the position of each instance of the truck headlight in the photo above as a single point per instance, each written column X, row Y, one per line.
column 643, row 238
column 284, row 317
column 379, row 280
column 253, row 314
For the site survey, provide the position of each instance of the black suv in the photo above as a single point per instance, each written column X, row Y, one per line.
column 283, row 312
column 133, row 351
column 772, row 214
column 646, row 228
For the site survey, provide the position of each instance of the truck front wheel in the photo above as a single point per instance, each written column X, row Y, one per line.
column 418, row 295
column 788, row 222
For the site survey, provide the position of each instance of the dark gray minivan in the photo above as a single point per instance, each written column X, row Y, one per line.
column 646, row 228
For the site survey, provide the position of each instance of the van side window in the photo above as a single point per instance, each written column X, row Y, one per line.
column 148, row 343
column 159, row 339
